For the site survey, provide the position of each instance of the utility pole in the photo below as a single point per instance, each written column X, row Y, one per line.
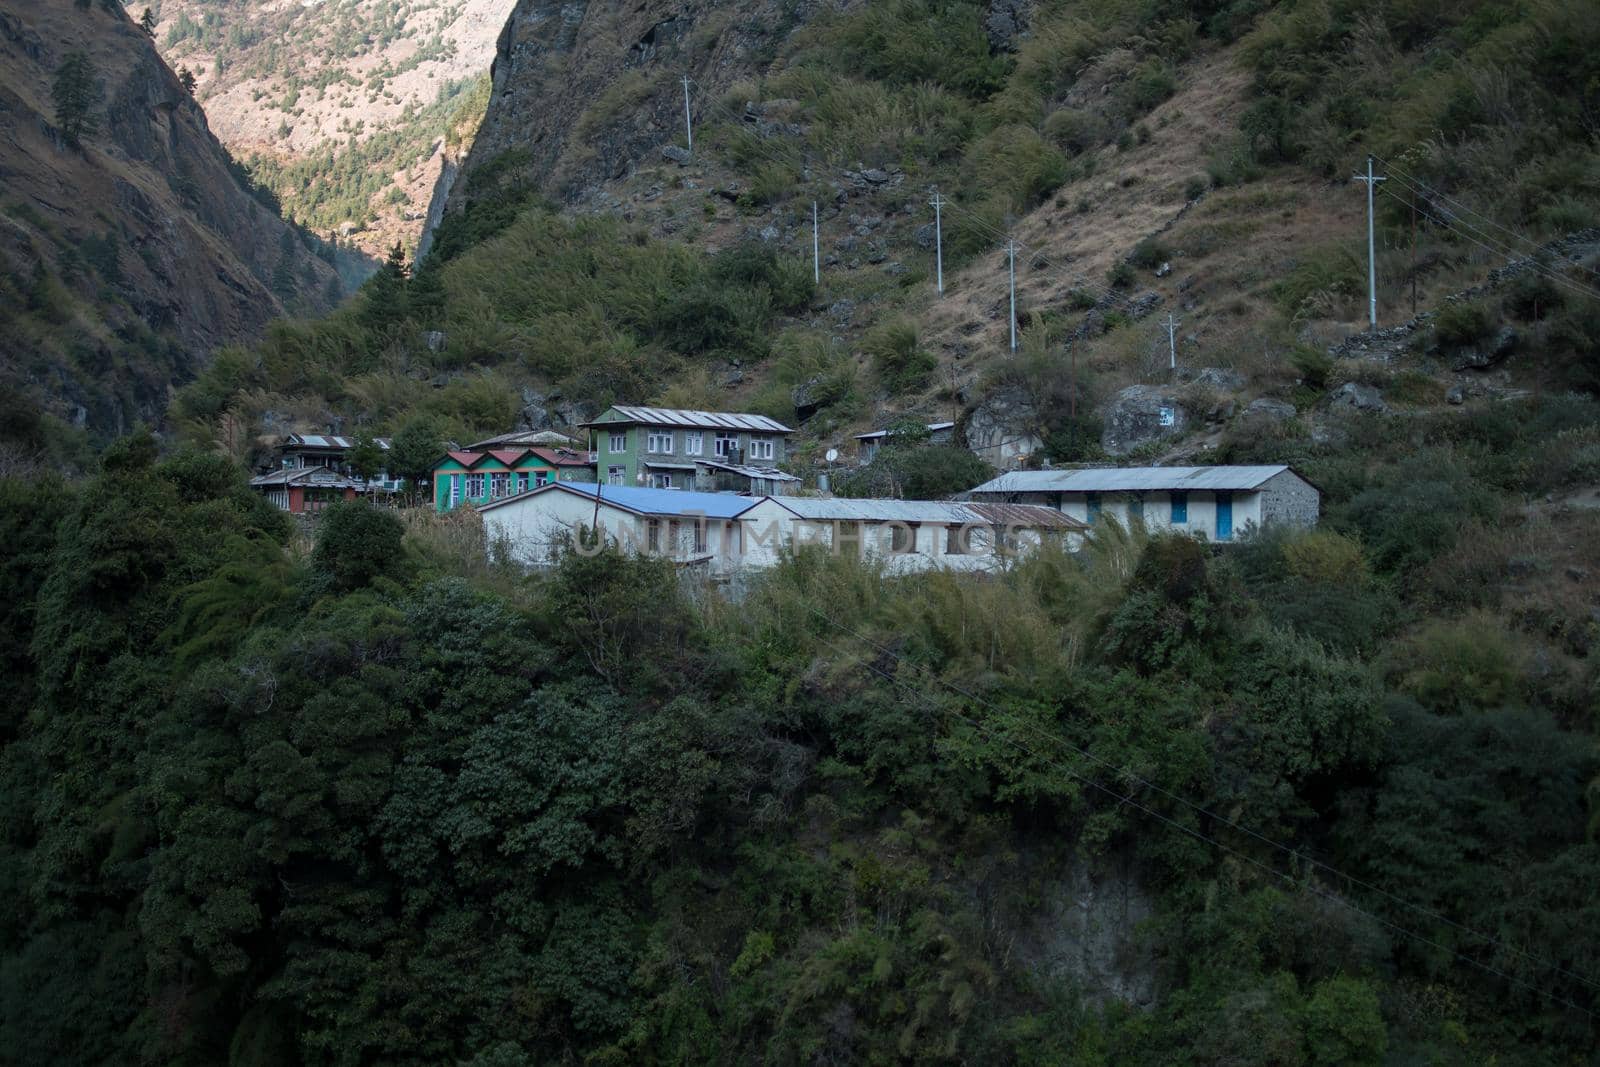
column 938, row 240
column 1011, row 256
column 1372, row 251
column 1413, row 254
column 688, row 126
column 816, row 247
column 1172, row 325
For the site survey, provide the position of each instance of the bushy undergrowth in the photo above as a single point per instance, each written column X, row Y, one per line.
column 380, row 801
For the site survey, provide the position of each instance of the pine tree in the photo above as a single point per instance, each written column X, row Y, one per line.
column 385, row 293
column 283, row 274
column 147, row 22
column 186, row 79
column 366, row 458
column 76, row 92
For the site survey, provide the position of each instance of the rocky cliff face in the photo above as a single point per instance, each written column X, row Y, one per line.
column 582, row 91
column 127, row 259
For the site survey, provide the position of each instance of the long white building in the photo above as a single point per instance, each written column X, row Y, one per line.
column 725, row 533
column 1217, row 503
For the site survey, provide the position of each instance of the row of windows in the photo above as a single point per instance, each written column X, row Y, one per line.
column 664, row 442
column 1179, row 503
column 497, row 483
column 653, row 530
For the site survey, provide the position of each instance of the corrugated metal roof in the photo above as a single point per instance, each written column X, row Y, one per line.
column 1036, row 515
column 933, row 427
column 328, row 440
column 667, row 503
column 1132, row 479
column 932, row 512
column 710, row 420
column 771, row 474
column 525, row 438
column 564, row 457
column 320, row 476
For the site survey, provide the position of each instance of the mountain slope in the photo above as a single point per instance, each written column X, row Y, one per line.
column 124, row 261
column 347, row 109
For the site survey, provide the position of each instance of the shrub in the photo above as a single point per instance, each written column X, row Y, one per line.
column 1018, row 164
column 356, row 543
column 1149, row 85
column 1458, row 665
column 901, row 364
column 1120, row 276
column 1149, row 254
column 1196, row 187
column 1074, row 130
column 1313, row 365
column 1325, row 557
column 1461, row 324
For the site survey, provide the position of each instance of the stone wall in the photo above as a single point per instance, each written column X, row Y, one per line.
column 1290, row 500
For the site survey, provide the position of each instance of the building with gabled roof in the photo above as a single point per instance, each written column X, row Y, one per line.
column 307, row 490
column 465, row 476
column 939, row 433
column 724, row 533
column 1217, row 503
column 684, row 526
column 679, row 448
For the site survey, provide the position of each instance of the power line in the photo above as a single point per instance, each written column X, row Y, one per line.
column 1294, row 854
column 1419, row 184
column 1532, row 264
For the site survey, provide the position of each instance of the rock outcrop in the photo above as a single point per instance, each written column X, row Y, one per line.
column 1141, row 414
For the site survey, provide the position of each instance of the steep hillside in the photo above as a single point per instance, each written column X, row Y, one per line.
column 349, row 110
column 129, row 252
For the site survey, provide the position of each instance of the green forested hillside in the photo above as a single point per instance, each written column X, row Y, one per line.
column 381, row 801
column 367, row 795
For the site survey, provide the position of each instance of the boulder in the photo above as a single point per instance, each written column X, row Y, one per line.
column 1001, row 426
column 1455, row 395
column 435, row 340
column 675, row 154
column 1266, row 409
column 1140, row 414
column 841, row 311
column 1005, row 21
column 1477, row 357
column 1354, row 396
column 1219, row 378
column 923, row 235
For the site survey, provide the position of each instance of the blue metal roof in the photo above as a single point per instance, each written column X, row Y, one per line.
column 672, row 503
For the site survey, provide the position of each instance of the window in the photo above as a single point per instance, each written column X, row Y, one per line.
column 673, row 539
column 619, row 441
column 1007, row 540
column 760, row 448
column 661, row 481
column 541, row 478
column 725, row 444
column 614, row 475
column 474, row 486
column 694, row 443
column 455, row 491
column 1091, row 504
column 700, row 537
column 957, row 540
column 902, row 538
column 659, row 441
column 1136, row 506
column 1180, row 508
column 652, row 535
column 499, row 484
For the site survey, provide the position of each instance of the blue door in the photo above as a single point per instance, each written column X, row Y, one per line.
column 1224, row 516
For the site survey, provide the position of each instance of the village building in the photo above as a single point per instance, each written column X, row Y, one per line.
column 690, row 528
column 939, row 433
column 307, row 490
column 1216, row 503
column 704, row 451
column 906, row 535
column 528, row 439
column 724, row 533
column 297, row 451
column 471, row 477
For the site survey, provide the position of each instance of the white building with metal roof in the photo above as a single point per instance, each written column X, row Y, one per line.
column 1217, row 503
column 905, row 535
column 724, row 533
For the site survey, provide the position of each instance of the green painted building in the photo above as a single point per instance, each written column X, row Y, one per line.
column 673, row 448
column 470, row 477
